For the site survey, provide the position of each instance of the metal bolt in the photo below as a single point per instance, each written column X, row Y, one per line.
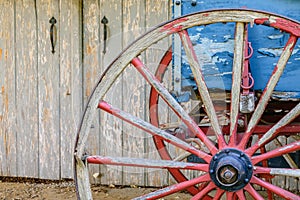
column 177, row 2
column 215, row 158
column 211, row 171
column 226, row 150
column 194, row 2
column 242, row 154
column 177, row 79
column 246, row 180
column 249, row 166
column 228, row 175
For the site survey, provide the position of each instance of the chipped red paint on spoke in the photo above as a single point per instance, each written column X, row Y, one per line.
column 174, row 188
column 240, row 194
column 145, row 126
column 275, row 189
column 139, row 162
column 295, row 146
column 249, row 188
column 204, row 191
column 218, row 194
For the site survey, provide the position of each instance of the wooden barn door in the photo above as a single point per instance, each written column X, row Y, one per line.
column 41, row 95
column 127, row 20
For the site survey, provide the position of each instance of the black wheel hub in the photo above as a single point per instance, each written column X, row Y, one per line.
column 231, row 169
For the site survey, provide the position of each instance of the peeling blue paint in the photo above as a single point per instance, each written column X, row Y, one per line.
column 214, row 47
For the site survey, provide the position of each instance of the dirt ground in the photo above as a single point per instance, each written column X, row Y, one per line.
column 12, row 189
column 23, row 190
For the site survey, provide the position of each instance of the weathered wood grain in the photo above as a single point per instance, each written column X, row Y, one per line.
column 133, row 92
column 111, row 127
column 91, row 71
column 48, row 91
column 238, row 61
column 8, row 137
column 156, row 11
column 70, row 74
column 27, row 89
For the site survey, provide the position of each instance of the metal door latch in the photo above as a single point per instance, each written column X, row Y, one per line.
column 53, row 34
column 104, row 21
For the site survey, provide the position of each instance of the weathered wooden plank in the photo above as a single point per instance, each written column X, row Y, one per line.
column 238, row 61
column 8, row 137
column 70, row 81
column 157, row 11
column 133, row 92
column 111, row 127
column 91, row 71
column 141, row 162
column 48, row 91
column 27, row 93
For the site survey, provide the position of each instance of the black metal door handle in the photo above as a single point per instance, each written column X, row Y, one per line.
column 53, row 33
column 104, row 21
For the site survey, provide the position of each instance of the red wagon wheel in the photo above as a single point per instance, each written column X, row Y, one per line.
column 230, row 166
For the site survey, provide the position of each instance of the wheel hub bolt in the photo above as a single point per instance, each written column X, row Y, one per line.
column 228, row 175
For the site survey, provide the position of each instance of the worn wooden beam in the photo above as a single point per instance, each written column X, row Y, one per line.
column 48, row 91
column 8, row 105
column 238, row 63
column 27, row 86
column 70, row 92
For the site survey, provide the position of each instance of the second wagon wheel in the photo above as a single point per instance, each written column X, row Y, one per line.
column 230, row 166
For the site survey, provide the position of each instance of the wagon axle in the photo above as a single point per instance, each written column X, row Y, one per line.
column 230, row 169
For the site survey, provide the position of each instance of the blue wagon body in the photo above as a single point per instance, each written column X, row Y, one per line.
column 214, row 47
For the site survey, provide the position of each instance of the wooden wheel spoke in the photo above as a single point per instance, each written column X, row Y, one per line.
column 240, row 194
column 218, row 194
column 275, row 189
column 152, row 130
column 175, row 188
column 147, row 163
column 229, row 195
column 238, row 61
column 287, row 157
column 295, row 146
column 277, row 72
column 272, row 133
column 202, row 88
column 278, row 171
column 174, row 105
column 253, row 192
column 204, row 191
